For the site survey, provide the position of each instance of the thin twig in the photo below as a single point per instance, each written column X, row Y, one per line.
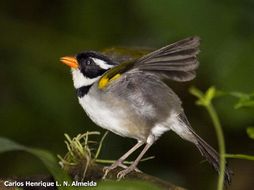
column 100, row 145
column 240, row 156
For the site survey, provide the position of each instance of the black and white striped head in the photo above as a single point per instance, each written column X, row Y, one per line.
column 87, row 67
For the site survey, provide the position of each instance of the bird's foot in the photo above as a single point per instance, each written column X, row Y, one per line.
column 116, row 164
column 107, row 169
column 126, row 171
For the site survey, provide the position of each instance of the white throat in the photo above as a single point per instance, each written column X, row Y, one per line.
column 80, row 80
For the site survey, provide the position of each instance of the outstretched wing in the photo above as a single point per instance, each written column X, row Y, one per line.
column 177, row 61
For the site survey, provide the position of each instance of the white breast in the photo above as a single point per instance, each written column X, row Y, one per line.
column 102, row 115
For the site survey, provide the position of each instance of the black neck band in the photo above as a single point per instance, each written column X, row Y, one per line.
column 82, row 91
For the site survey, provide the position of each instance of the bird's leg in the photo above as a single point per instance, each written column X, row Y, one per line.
column 119, row 162
column 132, row 167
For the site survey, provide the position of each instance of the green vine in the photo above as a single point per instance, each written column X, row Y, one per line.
column 244, row 101
column 206, row 101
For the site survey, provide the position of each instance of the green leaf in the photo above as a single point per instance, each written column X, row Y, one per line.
column 209, row 95
column 250, row 132
column 126, row 185
column 205, row 99
column 8, row 145
column 244, row 103
column 47, row 158
column 244, row 100
column 196, row 92
column 239, row 94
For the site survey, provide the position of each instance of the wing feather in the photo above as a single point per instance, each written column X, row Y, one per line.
column 177, row 61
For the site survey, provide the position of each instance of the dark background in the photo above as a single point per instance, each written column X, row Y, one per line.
column 38, row 103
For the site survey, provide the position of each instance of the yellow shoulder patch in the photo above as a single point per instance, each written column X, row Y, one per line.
column 105, row 80
column 115, row 77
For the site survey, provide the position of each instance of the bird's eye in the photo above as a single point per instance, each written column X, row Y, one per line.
column 89, row 61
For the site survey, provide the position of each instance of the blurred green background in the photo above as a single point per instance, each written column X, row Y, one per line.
column 38, row 102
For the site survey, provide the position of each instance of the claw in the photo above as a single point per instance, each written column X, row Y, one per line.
column 126, row 171
column 105, row 173
column 120, row 175
column 107, row 169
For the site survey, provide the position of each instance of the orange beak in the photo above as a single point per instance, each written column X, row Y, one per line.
column 70, row 61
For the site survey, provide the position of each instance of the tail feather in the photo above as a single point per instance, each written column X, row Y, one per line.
column 207, row 151
column 212, row 157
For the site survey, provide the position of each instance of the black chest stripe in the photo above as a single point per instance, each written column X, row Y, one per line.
column 82, row 91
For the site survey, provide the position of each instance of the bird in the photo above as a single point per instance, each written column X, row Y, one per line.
column 128, row 96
